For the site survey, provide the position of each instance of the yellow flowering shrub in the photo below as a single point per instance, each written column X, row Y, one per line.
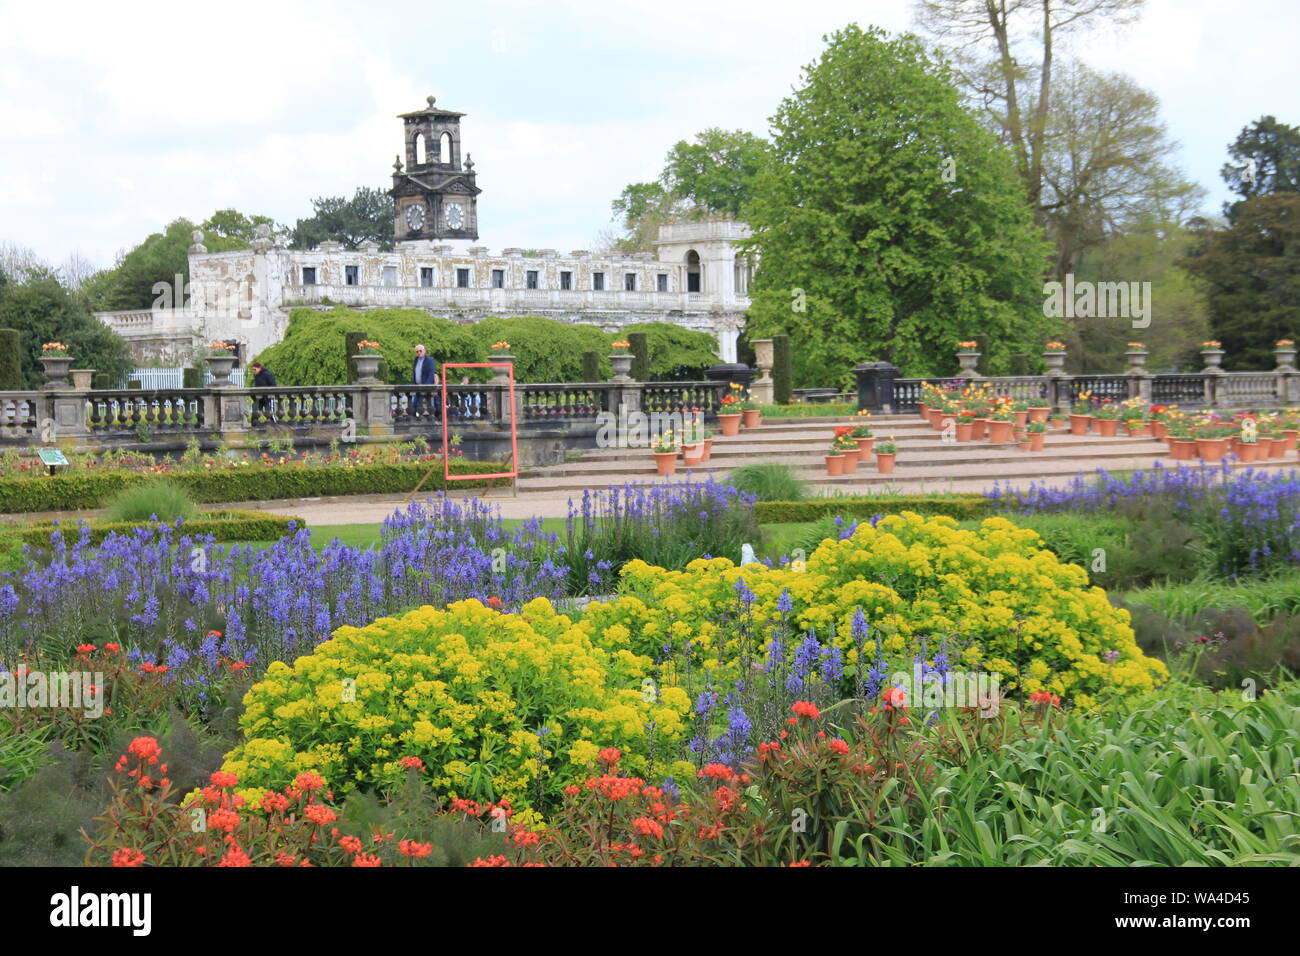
column 467, row 690
column 1010, row 606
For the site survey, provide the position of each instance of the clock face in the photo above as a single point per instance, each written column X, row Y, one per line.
column 455, row 215
column 415, row 216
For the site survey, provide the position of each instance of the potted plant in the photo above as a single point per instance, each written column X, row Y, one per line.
column 1285, row 352
column 1246, row 444
column 57, row 362
column 1133, row 415
column 621, row 360
column 968, row 357
column 1290, row 421
column 1182, row 446
column 708, row 445
column 1211, row 441
column 664, row 448
column 1156, row 416
column 863, row 436
column 835, row 460
column 221, row 362
column 1037, row 432
column 1054, row 356
column 1212, row 353
column 965, row 424
column 885, row 454
column 849, row 448
column 729, row 414
column 1137, row 356
column 1039, row 410
column 1107, row 416
column 1002, row 422
column 1022, row 413
column 1271, row 442
column 750, row 414
column 367, row 358
column 1081, row 414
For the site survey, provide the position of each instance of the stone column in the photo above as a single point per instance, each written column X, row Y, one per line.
column 232, row 413
column 762, row 389
column 373, row 409
column 1058, row 387
column 66, row 411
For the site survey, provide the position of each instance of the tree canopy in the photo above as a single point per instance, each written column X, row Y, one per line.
column 890, row 224
column 367, row 215
column 1266, row 159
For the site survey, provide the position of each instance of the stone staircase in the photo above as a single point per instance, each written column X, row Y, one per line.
column 925, row 462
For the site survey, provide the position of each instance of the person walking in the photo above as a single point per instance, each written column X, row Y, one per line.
column 263, row 378
column 424, row 372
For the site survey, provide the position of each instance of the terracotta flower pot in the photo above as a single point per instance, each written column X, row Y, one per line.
column 1025, row 444
column 864, row 448
column 1135, row 428
column 978, row 428
column 885, row 463
column 1000, row 432
column 1022, row 418
column 1183, row 449
column 1036, row 440
column 1158, row 429
column 729, row 423
column 666, row 462
column 693, row 454
column 708, row 449
column 1039, row 413
column 1279, row 448
column 1289, row 438
column 1210, row 449
column 851, row 461
column 1107, row 427
column 924, row 410
column 751, row 417
column 834, row 464
column 963, row 431
column 1246, row 450
column 936, row 419
column 1079, row 424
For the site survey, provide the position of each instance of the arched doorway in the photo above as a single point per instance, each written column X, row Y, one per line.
column 694, row 278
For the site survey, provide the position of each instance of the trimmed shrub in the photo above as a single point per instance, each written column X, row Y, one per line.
column 76, row 491
column 164, row 500
column 350, row 340
column 591, row 367
column 782, row 370
column 545, row 350
column 954, row 506
column 768, row 482
column 676, row 354
column 640, row 348
column 191, row 378
column 11, row 360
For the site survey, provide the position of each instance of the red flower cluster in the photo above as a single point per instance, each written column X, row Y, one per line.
column 805, row 709
column 1043, row 697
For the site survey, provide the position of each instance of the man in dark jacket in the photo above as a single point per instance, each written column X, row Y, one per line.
column 425, row 372
column 263, row 378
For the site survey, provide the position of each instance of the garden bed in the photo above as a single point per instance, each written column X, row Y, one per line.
column 219, row 525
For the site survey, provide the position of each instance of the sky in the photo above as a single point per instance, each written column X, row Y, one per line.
column 116, row 119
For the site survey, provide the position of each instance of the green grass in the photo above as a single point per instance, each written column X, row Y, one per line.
column 367, row 535
column 1264, row 598
column 140, row 502
column 769, row 482
column 828, row 410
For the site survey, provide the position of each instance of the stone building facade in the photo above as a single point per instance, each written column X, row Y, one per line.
column 695, row 278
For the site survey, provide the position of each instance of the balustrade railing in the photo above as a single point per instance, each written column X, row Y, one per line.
column 132, row 410
column 1184, row 390
column 300, row 405
column 566, row 403
column 20, row 416
column 683, row 397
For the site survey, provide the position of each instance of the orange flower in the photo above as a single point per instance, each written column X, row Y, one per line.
column 610, row 756
column 894, row 697
column 126, row 857
column 806, row 709
column 350, row 843
column 839, row 747
column 286, row 859
column 415, row 850
column 412, row 763
column 222, row 778
column 319, row 814
column 223, row 819
column 235, row 857
column 146, row 748
column 309, row 781
column 647, row 827
column 365, row 859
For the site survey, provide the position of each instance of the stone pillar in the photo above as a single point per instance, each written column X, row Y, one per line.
column 373, row 409
column 761, row 390
column 1058, row 388
column 876, row 386
column 66, row 411
column 232, row 413
column 727, row 332
column 1140, row 385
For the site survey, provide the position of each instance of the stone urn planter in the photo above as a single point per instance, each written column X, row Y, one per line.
column 367, row 368
column 56, row 370
column 1136, row 359
column 501, row 376
column 1079, row 424
column 220, row 367
column 834, row 465
column 751, row 417
column 968, row 362
column 851, row 461
column 885, row 464
column 81, row 378
column 622, row 363
column 1213, row 358
column 729, row 423
column 1107, row 427
column 1055, row 361
column 666, row 462
column 1285, row 358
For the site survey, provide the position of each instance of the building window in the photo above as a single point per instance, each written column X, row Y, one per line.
column 426, row 276
column 350, row 275
column 532, row 278
column 462, row 278
column 308, row 275
column 629, row 281
column 661, row 282
column 498, row 278
column 390, row 275
column 598, row 281
column 566, row 280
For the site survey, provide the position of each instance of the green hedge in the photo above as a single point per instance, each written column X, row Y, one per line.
column 255, row 483
column 222, row 525
column 782, row 370
column 11, row 361
column 955, row 506
column 639, row 346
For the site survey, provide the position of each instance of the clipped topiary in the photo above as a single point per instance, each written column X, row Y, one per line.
column 782, row 370
column 675, row 353
column 11, row 361
column 350, row 340
column 545, row 350
column 591, row 366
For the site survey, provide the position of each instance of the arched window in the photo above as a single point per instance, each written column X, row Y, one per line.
column 694, row 278
column 421, row 156
column 444, row 149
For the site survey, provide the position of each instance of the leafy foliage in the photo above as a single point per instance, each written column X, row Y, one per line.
column 768, row 482
column 1268, row 161
column 866, row 248
column 676, row 353
column 545, row 350
column 166, row 500
column 368, row 215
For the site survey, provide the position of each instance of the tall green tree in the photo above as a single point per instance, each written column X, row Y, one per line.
column 367, row 215
column 42, row 310
column 233, row 224
column 1252, row 274
column 712, row 176
column 1265, row 159
column 890, row 224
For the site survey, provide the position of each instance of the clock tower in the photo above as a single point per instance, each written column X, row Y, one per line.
column 435, row 196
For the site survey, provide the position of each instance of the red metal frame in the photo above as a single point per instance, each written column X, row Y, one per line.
column 446, row 426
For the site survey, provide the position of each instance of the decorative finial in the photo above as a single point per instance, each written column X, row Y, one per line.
column 429, row 100
column 469, row 163
column 397, row 163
